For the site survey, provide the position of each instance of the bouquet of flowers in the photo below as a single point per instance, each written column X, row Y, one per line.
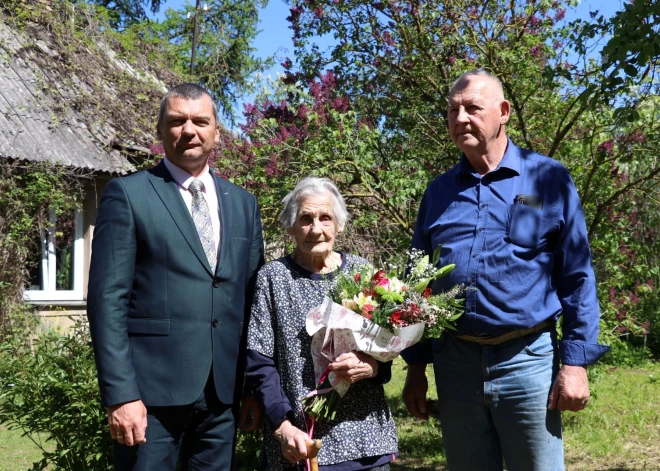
column 379, row 313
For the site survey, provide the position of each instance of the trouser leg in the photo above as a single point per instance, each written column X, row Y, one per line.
column 165, row 427
column 210, row 437
column 469, row 435
column 521, row 378
column 202, row 435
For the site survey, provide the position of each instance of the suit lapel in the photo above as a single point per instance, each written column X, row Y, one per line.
column 226, row 215
column 168, row 191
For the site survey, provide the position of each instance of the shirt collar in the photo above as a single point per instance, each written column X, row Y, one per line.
column 510, row 160
column 184, row 179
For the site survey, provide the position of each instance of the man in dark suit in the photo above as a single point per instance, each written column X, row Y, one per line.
column 175, row 256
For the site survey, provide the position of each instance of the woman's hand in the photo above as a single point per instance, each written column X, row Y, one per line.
column 354, row 366
column 293, row 441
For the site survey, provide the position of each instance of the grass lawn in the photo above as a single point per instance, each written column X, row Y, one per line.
column 17, row 453
column 619, row 430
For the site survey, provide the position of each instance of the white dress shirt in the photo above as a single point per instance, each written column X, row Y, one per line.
column 184, row 179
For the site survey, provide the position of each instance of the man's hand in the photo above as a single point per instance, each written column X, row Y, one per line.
column 251, row 417
column 354, row 366
column 414, row 391
column 294, row 442
column 128, row 423
column 570, row 390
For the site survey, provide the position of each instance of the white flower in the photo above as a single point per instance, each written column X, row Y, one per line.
column 361, row 300
column 396, row 285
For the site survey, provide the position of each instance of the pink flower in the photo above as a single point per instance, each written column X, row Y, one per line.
column 385, row 283
column 606, row 147
column 368, row 311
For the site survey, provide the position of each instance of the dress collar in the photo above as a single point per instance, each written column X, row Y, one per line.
column 313, row 275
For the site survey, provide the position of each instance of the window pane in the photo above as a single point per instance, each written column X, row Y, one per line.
column 64, row 237
column 35, row 265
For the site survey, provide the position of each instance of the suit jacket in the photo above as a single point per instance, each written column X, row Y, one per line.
column 159, row 318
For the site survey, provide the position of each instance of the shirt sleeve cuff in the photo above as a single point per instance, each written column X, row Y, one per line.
column 421, row 352
column 384, row 373
column 580, row 353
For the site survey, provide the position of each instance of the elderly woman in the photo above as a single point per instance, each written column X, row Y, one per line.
column 279, row 367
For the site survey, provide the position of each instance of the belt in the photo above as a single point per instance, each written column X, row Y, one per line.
column 506, row 337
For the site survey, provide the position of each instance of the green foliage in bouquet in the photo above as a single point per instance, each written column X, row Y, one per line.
column 402, row 296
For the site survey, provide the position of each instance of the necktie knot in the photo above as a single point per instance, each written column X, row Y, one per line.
column 196, row 187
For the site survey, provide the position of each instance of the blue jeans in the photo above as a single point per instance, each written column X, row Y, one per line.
column 493, row 404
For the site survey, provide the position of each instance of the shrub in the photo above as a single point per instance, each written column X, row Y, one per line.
column 52, row 390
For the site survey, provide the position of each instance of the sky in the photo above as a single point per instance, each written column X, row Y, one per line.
column 274, row 38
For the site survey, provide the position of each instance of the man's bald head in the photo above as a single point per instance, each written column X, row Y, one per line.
column 476, row 115
column 496, row 89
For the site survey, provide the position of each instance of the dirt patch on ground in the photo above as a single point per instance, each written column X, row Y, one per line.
column 648, row 459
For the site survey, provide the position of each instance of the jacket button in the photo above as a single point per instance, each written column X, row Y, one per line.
column 216, row 283
column 214, row 323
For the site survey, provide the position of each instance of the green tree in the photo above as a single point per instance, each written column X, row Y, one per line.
column 391, row 66
column 125, row 12
column 225, row 59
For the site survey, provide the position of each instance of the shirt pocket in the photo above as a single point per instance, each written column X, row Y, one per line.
column 529, row 227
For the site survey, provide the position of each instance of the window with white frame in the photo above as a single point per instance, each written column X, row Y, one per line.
column 56, row 268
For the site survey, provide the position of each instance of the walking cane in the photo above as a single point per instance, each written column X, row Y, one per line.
column 312, row 451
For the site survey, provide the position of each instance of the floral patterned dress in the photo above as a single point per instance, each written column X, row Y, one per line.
column 364, row 427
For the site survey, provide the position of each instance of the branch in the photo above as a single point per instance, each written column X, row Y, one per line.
column 601, row 208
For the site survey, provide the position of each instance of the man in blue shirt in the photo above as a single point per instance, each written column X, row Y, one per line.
column 511, row 221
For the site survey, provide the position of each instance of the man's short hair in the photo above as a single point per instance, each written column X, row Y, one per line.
column 187, row 91
column 478, row 72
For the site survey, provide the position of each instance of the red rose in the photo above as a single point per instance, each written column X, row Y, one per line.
column 379, row 276
column 395, row 318
column 368, row 311
column 426, row 293
column 357, row 277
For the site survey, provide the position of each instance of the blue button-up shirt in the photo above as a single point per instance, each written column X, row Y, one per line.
column 519, row 241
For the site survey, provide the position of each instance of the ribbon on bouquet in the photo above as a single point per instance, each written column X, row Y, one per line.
column 317, row 391
column 311, row 463
column 335, row 330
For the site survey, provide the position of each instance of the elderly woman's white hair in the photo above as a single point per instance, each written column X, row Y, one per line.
column 312, row 186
